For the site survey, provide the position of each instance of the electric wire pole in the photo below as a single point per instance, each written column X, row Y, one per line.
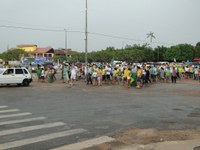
column 65, row 39
column 86, row 34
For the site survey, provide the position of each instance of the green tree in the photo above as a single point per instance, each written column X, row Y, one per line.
column 197, row 50
column 151, row 36
column 59, row 58
column 13, row 55
column 159, row 53
column 181, row 52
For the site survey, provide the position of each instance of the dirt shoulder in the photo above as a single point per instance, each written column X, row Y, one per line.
column 147, row 136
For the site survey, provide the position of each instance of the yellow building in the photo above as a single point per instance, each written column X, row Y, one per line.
column 27, row 48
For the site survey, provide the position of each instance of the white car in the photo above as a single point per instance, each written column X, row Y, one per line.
column 19, row 76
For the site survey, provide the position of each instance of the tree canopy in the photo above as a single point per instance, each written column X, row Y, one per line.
column 131, row 53
column 142, row 53
column 12, row 54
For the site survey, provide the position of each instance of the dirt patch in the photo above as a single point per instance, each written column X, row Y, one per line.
column 189, row 81
column 191, row 93
column 147, row 136
column 104, row 147
column 193, row 115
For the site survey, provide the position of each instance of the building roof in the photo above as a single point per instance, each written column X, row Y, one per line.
column 64, row 51
column 27, row 45
column 60, row 52
column 196, row 59
column 44, row 50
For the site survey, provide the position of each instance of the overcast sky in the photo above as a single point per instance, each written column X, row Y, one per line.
column 172, row 21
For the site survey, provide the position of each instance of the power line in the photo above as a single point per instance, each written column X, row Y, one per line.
column 125, row 38
column 25, row 24
column 29, row 28
column 82, row 32
column 117, row 37
column 40, row 29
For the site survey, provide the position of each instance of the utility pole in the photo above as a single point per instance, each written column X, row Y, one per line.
column 158, row 53
column 65, row 30
column 86, row 34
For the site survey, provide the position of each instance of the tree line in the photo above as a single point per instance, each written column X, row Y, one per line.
column 131, row 53
column 142, row 53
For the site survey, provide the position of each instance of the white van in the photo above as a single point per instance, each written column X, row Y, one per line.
column 19, row 76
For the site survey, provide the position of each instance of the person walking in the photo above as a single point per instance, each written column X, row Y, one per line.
column 65, row 74
column 174, row 75
column 73, row 74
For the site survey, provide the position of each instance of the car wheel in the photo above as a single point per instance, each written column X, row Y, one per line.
column 26, row 82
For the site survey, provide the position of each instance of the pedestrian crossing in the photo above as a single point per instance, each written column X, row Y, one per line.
column 14, row 117
column 9, row 110
column 3, row 107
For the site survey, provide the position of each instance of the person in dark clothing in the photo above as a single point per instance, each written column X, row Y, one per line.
column 174, row 75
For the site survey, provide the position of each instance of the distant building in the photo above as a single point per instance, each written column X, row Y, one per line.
column 27, row 48
column 39, row 55
column 64, row 52
column 196, row 60
column 43, row 52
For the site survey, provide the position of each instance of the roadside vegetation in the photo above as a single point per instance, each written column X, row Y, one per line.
column 131, row 53
column 140, row 53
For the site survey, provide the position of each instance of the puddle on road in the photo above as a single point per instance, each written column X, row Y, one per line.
column 177, row 109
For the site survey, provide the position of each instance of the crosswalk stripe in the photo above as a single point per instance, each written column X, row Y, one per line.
column 31, row 128
column 40, row 138
column 3, row 106
column 22, row 120
column 86, row 144
column 9, row 110
column 14, row 115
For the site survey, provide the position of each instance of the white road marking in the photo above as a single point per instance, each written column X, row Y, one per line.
column 86, row 144
column 40, row 138
column 31, row 128
column 14, row 115
column 3, row 106
column 9, row 110
column 21, row 121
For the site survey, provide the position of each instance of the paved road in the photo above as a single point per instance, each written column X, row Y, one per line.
column 45, row 116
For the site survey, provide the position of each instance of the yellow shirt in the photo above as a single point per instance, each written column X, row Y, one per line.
column 181, row 70
column 129, row 74
column 126, row 73
column 103, row 72
column 191, row 69
column 116, row 73
column 139, row 73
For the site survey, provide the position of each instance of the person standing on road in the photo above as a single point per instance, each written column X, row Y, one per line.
column 65, row 74
column 38, row 72
column 99, row 76
column 196, row 73
column 73, row 74
column 94, row 75
column 88, row 73
column 162, row 74
column 42, row 76
column 30, row 68
column 139, row 77
column 167, row 74
column 199, row 73
column 174, row 75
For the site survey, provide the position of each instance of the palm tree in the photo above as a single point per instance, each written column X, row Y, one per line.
column 151, row 36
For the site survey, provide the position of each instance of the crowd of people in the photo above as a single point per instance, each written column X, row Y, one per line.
column 135, row 75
